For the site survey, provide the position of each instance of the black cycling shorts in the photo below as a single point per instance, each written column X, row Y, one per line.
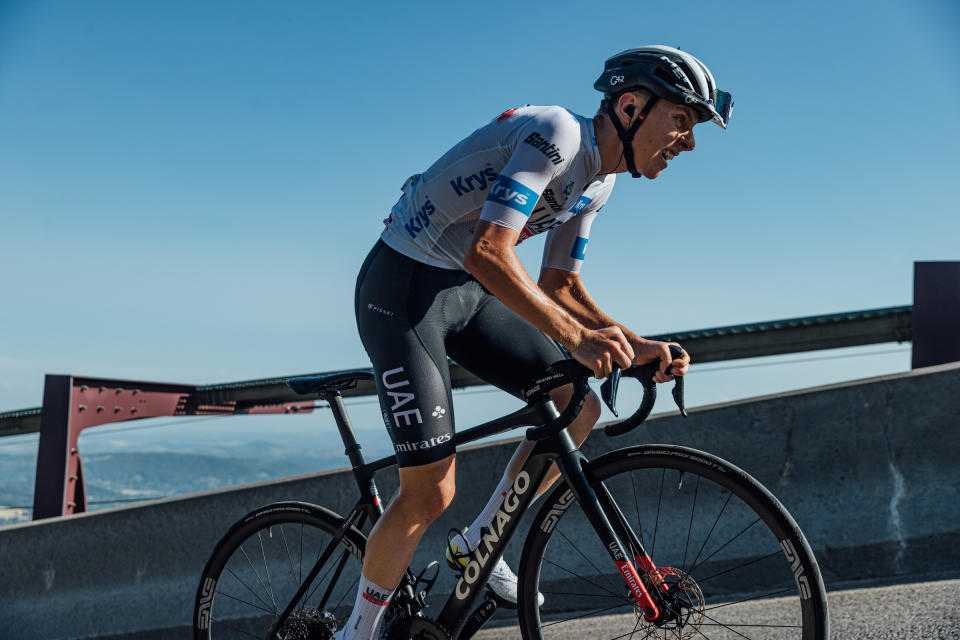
column 411, row 317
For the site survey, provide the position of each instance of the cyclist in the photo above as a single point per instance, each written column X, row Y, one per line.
column 444, row 280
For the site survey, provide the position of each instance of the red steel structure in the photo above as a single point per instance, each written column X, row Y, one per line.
column 72, row 404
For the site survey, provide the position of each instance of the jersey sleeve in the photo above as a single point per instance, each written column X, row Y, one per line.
column 543, row 148
column 566, row 245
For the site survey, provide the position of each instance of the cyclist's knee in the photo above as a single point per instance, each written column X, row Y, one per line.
column 426, row 491
column 591, row 405
column 591, row 409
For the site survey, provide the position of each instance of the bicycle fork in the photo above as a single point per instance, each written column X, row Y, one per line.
column 596, row 508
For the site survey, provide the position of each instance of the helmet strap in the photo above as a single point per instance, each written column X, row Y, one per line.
column 626, row 135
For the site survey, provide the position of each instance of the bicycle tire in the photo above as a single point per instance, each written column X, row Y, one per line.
column 744, row 565
column 257, row 567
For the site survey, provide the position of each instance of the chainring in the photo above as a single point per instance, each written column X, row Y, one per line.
column 416, row 628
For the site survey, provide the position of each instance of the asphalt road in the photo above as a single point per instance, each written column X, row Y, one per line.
column 929, row 610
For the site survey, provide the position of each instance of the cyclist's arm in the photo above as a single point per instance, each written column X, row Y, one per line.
column 493, row 261
column 566, row 289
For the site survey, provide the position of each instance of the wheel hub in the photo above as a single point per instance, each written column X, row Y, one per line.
column 680, row 601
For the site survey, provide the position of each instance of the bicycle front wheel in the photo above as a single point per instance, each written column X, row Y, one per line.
column 732, row 562
column 261, row 563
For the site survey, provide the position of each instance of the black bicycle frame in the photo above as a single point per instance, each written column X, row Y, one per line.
column 559, row 448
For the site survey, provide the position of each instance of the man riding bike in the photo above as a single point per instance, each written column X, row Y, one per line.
column 444, row 281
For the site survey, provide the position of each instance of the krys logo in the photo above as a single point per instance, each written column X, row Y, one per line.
column 513, row 194
column 420, row 219
column 473, row 181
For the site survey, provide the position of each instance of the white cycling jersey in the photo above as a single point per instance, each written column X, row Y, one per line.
column 532, row 169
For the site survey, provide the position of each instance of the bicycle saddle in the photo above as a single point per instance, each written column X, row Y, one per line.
column 305, row 385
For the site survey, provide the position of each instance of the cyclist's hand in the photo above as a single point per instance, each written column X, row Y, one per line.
column 600, row 349
column 653, row 350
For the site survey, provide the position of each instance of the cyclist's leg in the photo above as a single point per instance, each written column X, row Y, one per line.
column 502, row 348
column 398, row 305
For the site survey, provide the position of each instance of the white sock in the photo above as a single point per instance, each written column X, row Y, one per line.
column 368, row 611
column 485, row 517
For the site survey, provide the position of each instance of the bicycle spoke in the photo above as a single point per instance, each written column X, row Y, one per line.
column 745, row 564
column 577, row 549
column 771, row 626
column 744, row 530
column 583, row 595
column 751, row 598
column 320, row 579
column 289, row 557
column 248, row 587
column 266, row 569
column 584, row 615
column 249, row 604
column 710, row 533
column 703, row 634
column 693, row 509
column 340, row 564
column 636, row 505
column 576, row 575
column 635, row 627
column 717, row 622
column 656, row 525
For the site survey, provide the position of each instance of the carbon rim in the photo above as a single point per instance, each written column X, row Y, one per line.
column 259, row 565
column 692, row 512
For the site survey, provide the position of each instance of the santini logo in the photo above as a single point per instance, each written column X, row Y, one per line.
column 546, row 147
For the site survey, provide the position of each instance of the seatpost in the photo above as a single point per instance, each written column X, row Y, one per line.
column 352, row 447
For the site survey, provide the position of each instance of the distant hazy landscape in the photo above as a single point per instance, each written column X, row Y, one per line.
column 117, row 478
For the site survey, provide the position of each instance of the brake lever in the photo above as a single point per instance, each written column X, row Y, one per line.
column 608, row 390
column 677, row 352
column 643, row 373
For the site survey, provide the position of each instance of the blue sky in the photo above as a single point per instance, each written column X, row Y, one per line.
column 187, row 189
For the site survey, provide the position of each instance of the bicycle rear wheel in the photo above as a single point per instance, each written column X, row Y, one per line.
column 736, row 564
column 258, row 566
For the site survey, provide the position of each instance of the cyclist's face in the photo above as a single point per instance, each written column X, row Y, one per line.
column 666, row 132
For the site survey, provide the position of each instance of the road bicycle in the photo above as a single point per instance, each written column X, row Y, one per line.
column 670, row 541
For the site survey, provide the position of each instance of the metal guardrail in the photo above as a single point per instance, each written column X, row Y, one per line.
column 74, row 403
column 810, row 333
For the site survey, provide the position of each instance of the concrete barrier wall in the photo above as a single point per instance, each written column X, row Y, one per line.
column 869, row 469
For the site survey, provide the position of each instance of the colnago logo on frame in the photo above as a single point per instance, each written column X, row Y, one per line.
column 513, row 194
column 485, row 547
